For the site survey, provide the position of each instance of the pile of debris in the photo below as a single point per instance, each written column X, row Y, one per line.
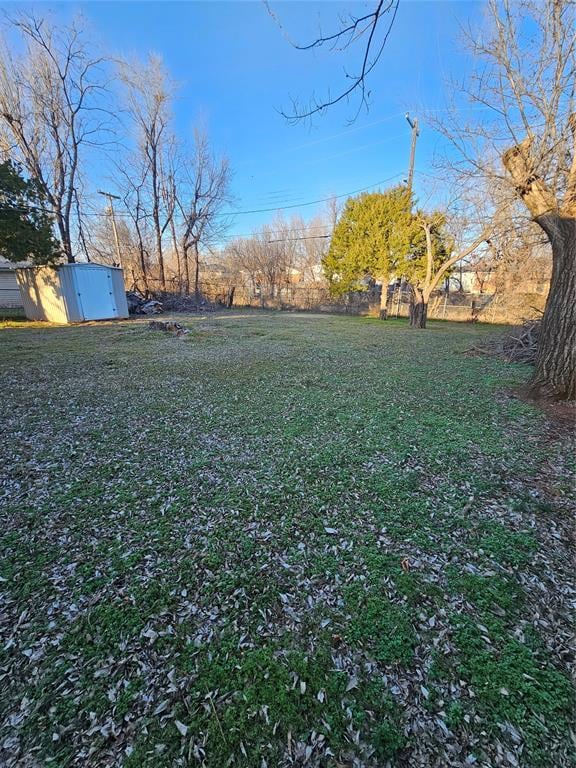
column 516, row 346
column 174, row 302
column 176, row 329
column 137, row 305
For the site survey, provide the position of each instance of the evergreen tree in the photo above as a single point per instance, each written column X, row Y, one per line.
column 25, row 226
column 373, row 235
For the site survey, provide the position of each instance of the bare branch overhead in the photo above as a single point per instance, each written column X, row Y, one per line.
column 371, row 31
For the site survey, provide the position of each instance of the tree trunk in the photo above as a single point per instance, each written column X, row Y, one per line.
column 177, row 252
column 186, row 270
column 142, row 259
column 384, row 301
column 160, row 252
column 554, row 376
column 70, row 258
column 196, row 272
column 65, row 239
column 156, row 211
column 418, row 309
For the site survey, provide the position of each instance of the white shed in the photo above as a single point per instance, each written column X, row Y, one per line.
column 72, row 293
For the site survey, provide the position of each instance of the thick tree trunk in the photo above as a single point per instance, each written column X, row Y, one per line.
column 156, row 211
column 418, row 309
column 554, row 376
column 70, row 258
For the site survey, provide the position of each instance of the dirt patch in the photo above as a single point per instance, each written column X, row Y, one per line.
column 175, row 329
column 562, row 414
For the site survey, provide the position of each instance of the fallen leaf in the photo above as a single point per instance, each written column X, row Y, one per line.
column 182, row 729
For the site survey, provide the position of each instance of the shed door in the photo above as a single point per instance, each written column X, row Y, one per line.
column 95, row 293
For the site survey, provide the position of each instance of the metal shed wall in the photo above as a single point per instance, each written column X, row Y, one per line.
column 94, row 292
column 69, row 293
column 119, row 292
column 72, row 293
column 42, row 294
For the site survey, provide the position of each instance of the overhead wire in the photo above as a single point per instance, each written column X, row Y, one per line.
column 236, row 213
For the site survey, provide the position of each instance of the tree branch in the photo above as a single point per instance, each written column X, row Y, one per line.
column 569, row 206
column 518, row 162
column 364, row 26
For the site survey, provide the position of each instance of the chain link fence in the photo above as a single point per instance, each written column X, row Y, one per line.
column 501, row 308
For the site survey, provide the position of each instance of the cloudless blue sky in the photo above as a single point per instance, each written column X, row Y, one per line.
column 236, row 70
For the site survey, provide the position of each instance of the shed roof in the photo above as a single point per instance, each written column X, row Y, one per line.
column 66, row 265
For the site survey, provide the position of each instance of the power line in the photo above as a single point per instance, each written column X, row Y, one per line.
column 309, row 237
column 232, row 236
column 313, row 202
column 240, row 213
column 273, row 232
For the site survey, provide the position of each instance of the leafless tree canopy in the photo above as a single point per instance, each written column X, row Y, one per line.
column 172, row 193
column 523, row 89
column 200, row 195
column 279, row 255
column 524, row 148
column 50, row 112
column 148, row 94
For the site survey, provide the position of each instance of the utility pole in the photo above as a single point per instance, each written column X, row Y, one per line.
column 415, row 133
column 111, row 197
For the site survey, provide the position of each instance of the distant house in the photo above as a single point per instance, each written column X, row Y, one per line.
column 9, row 292
column 484, row 277
column 472, row 279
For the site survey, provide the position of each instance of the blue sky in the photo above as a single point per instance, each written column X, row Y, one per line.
column 236, row 70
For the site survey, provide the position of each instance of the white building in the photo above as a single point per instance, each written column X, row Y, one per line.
column 9, row 292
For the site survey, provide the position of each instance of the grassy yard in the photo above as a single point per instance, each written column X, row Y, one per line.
column 281, row 540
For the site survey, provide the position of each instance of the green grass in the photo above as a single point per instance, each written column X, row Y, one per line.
column 278, row 538
column 514, row 684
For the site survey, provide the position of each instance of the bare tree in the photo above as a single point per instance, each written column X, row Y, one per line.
column 280, row 258
column 519, row 254
column 101, row 247
column 264, row 262
column 370, row 32
column 201, row 193
column 149, row 94
column 132, row 176
column 50, row 112
column 426, row 272
column 242, row 258
column 483, row 270
column 525, row 81
column 312, row 240
column 516, row 245
column 170, row 201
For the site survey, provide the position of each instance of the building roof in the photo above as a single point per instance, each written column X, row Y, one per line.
column 10, row 265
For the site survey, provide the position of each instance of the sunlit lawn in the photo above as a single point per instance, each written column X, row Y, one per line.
column 279, row 540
